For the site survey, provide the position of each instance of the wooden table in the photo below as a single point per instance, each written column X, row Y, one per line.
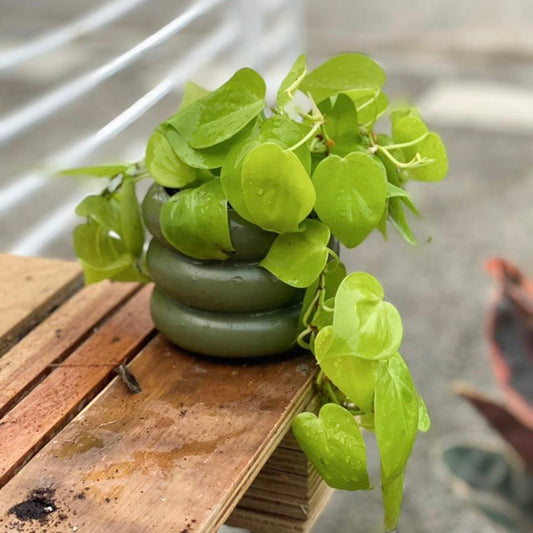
column 204, row 443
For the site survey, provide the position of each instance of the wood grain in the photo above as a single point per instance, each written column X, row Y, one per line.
column 29, row 288
column 53, row 340
column 177, row 457
column 37, row 416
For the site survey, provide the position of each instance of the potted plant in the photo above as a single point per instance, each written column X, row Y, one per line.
column 247, row 207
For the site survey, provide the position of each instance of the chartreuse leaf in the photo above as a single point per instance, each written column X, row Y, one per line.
column 409, row 128
column 371, row 327
column 191, row 93
column 230, row 175
column 343, row 73
column 351, row 195
column 105, row 210
column 353, row 376
column 276, row 189
column 392, row 493
column 299, row 258
column 370, row 105
column 396, row 409
column 398, row 219
column 297, row 72
column 397, row 416
column 395, row 192
column 102, row 171
column 195, row 222
column 100, row 255
column 223, row 112
column 334, row 444
column 203, row 158
column 341, row 124
column 164, row 165
column 132, row 231
column 283, row 131
column 424, row 421
column 334, row 273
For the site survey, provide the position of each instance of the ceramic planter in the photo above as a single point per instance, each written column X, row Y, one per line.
column 231, row 308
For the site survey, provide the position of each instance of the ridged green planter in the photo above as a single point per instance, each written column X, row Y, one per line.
column 231, row 308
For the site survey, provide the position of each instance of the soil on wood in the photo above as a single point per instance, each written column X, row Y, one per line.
column 37, row 506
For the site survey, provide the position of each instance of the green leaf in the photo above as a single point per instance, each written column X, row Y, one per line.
column 392, row 493
column 195, row 222
column 334, row 445
column 424, row 421
column 102, row 171
column 341, row 124
column 276, row 189
column 298, row 258
column 370, row 105
column 334, row 273
column 164, row 165
column 105, row 210
column 396, row 414
column 408, row 129
column 132, row 231
column 101, row 256
column 325, row 317
column 343, row 73
column 222, row 113
column 202, row 158
column 395, row 192
column 353, row 376
column 230, row 176
column 283, row 131
column 371, row 327
column 296, row 72
column 398, row 219
column 351, row 195
column 191, row 93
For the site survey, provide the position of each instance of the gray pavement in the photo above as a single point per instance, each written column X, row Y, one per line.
column 446, row 55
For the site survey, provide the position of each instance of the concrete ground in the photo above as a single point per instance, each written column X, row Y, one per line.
column 469, row 65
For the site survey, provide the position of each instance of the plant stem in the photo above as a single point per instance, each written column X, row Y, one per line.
column 406, row 144
column 331, row 393
column 311, row 133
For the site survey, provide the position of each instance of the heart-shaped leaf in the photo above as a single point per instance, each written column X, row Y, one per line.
column 334, row 445
column 351, row 195
column 396, row 408
column 276, row 189
column 371, row 327
column 343, row 73
column 223, row 112
column 297, row 72
column 283, row 131
column 105, row 210
column 298, row 258
column 409, row 128
column 341, row 124
column 101, row 255
column 195, row 222
column 370, row 105
column 164, row 165
column 353, row 376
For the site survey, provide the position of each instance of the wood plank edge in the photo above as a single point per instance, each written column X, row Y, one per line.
column 27, row 324
column 4, row 409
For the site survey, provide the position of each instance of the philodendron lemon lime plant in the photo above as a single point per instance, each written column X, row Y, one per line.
column 303, row 174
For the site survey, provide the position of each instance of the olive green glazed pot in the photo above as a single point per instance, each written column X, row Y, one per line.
column 231, row 308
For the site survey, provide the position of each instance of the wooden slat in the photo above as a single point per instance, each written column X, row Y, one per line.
column 52, row 340
column 176, row 457
column 29, row 288
column 38, row 415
